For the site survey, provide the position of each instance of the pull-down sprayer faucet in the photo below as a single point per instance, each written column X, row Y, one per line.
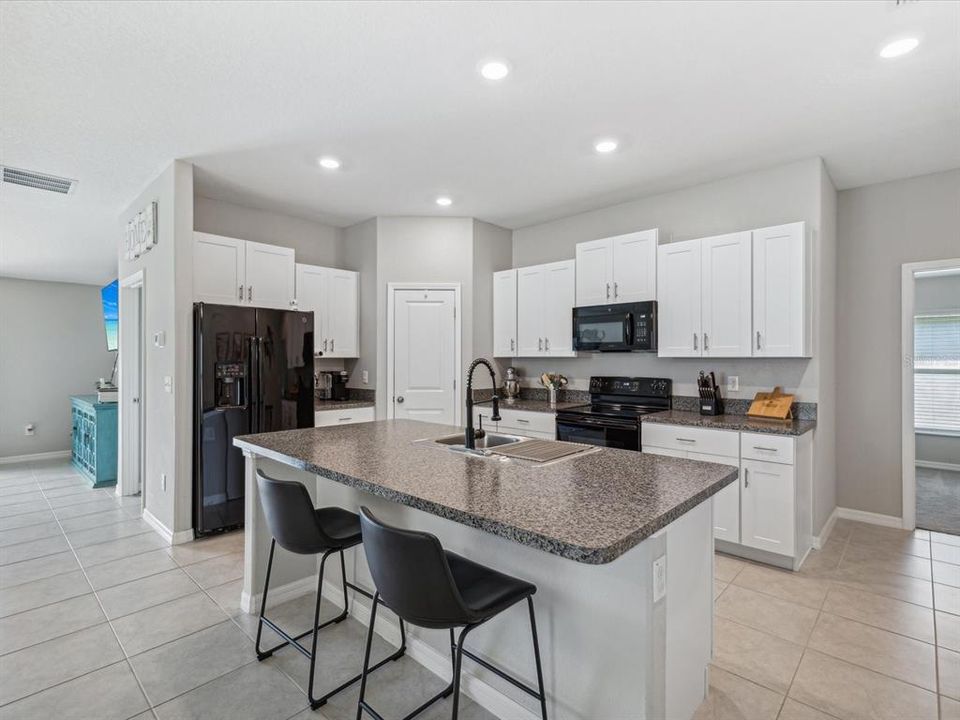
column 469, row 440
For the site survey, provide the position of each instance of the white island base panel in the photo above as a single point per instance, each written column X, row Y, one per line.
column 609, row 651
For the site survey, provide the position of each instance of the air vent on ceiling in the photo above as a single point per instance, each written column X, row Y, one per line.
column 39, row 181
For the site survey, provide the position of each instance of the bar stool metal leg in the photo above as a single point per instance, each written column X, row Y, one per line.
column 536, row 655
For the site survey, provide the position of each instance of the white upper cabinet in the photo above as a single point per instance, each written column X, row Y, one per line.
column 725, row 295
column 219, row 269
column 618, row 269
column 333, row 297
column 271, row 275
column 678, row 307
column 505, row 313
column 781, row 294
column 229, row 271
column 545, row 297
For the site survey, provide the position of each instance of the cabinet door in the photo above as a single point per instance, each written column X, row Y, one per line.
column 594, row 284
column 559, row 295
column 634, row 266
column 219, row 269
column 726, row 503
column 781, row 315
column 342, row 324
column 530, row 305
column 311, row 287
column 678, row 295
column 767, row 507
column 725, row 307
column 271, row 274
column 505, row 313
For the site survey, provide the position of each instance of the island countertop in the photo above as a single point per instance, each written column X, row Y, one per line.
column 590, row 508
column 742, row 423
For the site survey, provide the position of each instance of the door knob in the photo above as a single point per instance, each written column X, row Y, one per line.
column 400, row 399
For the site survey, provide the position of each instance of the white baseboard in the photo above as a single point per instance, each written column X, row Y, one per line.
column 172, row 538
column 869, row 517
column 482, row 693
column 280, row 594
column 52, row 455
column 820, row 540
column 930, row 465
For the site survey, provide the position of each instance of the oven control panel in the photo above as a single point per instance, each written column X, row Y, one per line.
column 633, row 386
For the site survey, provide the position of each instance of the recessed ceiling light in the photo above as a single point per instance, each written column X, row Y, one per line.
column 605, row 146
column 444, row 201
column 494, row 70
column 329, row 163
column 899, row 47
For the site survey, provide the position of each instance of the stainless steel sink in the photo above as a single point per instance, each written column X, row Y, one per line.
column 489, row 440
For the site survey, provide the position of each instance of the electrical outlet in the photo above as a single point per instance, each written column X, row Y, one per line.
column 163, row 482
column 733, row 383
column 659, row 578
column 28, row 429
column 168, row 383
column 366, row 377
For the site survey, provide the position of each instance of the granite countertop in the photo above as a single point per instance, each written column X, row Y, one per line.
column 731, row 422
column 321, row 405
column 535, row 405
column 590, row 508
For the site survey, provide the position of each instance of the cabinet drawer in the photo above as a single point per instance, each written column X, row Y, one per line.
column 525, row 421
column 693, row 439
column 347, row 416
column 770, row 448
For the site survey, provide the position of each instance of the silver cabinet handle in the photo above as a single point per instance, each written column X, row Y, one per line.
column 331, row 344
column 344, row 419
column 705, row 344
column 608, row 291
column 758, row 339
column 694, row 341
column 686, row 440
column 757, row 447
column 511, row 344
column 241, row 294
column 521, row 420
column 616, row 292
column 546, row 344
column 746, row 482
column 400, row 399
column 250, row 293
column 539, row 344
column 324, row 344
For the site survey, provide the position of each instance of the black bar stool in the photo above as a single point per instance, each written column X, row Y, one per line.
column 433, row 588
column 301, row 528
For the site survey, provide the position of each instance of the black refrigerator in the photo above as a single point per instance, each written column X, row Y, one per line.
column 253, row 373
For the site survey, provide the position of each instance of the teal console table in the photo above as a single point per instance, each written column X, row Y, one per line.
column 94, row 440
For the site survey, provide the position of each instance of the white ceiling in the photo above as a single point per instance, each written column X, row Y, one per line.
column 108, row 93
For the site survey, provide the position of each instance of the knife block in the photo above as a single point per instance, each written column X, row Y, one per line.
column 712, row 404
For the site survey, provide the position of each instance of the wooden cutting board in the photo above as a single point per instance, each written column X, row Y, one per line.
column 774, row 405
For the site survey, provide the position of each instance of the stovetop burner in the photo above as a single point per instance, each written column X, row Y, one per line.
column 614, row 409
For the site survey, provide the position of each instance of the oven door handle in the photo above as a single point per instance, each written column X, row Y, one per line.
column 596, row 422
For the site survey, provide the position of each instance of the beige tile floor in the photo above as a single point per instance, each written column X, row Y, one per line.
column 869, row 629
column 99, row 619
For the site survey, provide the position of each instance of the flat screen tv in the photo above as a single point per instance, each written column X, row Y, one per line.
column 108, row 296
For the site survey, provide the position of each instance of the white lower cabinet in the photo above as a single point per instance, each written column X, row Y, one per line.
column 767, row 514
column 346, row 416
column 527, row 423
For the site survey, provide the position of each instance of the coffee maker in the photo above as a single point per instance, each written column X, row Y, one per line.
column 338, row 389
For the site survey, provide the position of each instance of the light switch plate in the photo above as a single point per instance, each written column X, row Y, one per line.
column 366, row 377
column 659, row 578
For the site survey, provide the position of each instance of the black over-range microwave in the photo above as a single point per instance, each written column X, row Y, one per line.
column 623, row 327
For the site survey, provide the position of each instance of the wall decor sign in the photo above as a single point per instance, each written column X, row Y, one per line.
column 140, row 234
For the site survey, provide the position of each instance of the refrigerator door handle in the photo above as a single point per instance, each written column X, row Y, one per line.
column 253, row 381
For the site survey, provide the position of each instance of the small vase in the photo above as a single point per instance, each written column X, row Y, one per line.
column 552, row 391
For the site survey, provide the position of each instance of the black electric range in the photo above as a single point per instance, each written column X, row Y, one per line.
column 612, row 418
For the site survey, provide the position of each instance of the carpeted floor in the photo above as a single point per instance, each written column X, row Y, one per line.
column 938, row 500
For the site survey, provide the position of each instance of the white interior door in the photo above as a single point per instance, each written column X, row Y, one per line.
column 593, row 273
column 130, row 390
column 634, row 266
column 726, row 303
column 219, row 269
column 678, row 295
column 424, row 355
column 271, row 271
column 342, row 319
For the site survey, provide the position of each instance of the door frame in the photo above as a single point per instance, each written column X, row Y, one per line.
column 136, row 281
column 392, row 288
column 908, row 448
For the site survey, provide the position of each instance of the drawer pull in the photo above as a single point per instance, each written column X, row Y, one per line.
column 686, row 440
column 521, row 420
column 746, row 481
column 767, row 449
column 344, row 419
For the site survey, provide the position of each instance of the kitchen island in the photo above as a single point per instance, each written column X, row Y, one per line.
column 587, row 530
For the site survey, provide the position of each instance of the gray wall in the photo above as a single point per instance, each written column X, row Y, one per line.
column 880, row 227
column 937, row 294
column 168, row 303
column 492, row 251
column 360, row 255
column 52, row 345
column 314, row 242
